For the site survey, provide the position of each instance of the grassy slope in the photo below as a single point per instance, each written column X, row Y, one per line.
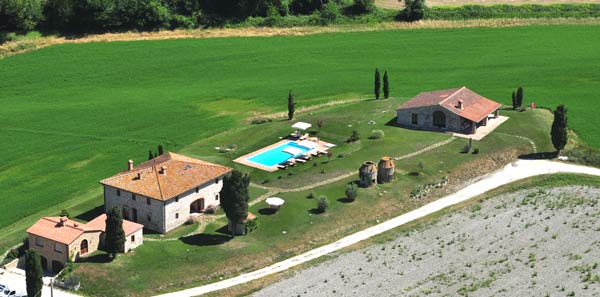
column 72, row 114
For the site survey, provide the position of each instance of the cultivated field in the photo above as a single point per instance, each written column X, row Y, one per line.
column 537, row 242
column 73, row 114
column 395, row 4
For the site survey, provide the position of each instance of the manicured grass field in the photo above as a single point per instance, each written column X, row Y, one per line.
column 73, row 114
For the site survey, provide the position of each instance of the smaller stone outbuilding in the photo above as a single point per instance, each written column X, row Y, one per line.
column 58, row 239
column 385, row 170
column 367, row 174
column 457, row 110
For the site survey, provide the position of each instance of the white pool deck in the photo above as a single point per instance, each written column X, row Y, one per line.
column 244, row 160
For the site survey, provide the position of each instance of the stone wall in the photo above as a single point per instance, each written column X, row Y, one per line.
column 46, row 249
column 425, row 118
column 93, row 239
column 150, row 212
column 177, row 211
column 138, row 239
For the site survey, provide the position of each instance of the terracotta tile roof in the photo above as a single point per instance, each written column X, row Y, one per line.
column 475, row 106
column 50, row 228
column 99, row 223
column 182, row 174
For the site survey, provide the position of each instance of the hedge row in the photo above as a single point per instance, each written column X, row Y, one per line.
column 512, row 11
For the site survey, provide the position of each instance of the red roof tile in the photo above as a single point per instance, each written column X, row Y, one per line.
column 50, row 227
column 182, row 174
column 475, row 106
column 99, row 223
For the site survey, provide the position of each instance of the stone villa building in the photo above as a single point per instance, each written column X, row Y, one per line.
column 164, row 192
column 457, row 110
column 58, row 239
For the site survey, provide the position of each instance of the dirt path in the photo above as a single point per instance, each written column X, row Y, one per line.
column 512, row 172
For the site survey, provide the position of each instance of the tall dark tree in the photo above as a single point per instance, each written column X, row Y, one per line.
column 115, row 236
column 291, row 105
column 559, row 128
column 377, row 83
column 514, row 100
column 234, row 198
column 150, row 155
column 519, row 97
column 414, row 10
column 386, row 85
column 33, row 273
column 160, row 149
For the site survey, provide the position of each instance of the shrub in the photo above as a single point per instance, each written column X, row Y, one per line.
column 330, row 12
column 260, row 120
column 476, row 151
column 351, row 191
column 361, row 7
column 377, row 134
column 311, row 195
column 211, row 209
column 65, row 213
column 251, row 225
column 354, row 137
column 322, row 204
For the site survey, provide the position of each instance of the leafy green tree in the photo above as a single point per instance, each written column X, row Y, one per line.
column 519, row 97
column 115, row 236
column 559, row 128
column 353, row 137
column 291, row 105
column 514, row 100
column 322, row 203
column 329, row 12
column 20, row 15
column 235, row 196
column 377, row 83
column 414, row 10
column 351, row 191
column 33, row 273
column 361, row 7
column 386, row 85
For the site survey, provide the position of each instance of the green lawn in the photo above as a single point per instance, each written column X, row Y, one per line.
column 73, row 114
column 202, row 258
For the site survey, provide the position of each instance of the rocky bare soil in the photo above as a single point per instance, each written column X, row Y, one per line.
column 538, row 242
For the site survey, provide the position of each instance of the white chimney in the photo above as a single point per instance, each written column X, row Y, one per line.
column 163, row 170
column 460, row 104
column 139, row 175
column 62, row 221
column 130, row 165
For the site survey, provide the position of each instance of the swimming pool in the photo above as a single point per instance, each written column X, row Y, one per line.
column 277, row 154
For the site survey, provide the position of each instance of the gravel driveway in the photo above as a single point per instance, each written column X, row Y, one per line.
column 540, row 242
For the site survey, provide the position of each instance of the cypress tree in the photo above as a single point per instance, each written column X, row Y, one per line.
column 33, row 273
column 160, row 149
column 150, row 155
column 377, row 83
column 520, row 97
column 115, row 236
column 386, row 85
column 514, row 100
column 234, row 197
column 559, row 128
column 291, row 105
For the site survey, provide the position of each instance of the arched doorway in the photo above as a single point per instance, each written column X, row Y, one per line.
column 84, row 247
column 197, row 206
column 57, row 266
column 439, row 119
column 44, row 262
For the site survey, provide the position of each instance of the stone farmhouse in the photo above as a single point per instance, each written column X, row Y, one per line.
column 457, row 110
column 58, row 239
column 163, row 193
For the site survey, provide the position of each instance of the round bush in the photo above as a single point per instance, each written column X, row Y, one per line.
column 377, row 134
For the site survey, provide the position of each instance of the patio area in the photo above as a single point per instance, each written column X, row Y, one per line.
column 483, row 131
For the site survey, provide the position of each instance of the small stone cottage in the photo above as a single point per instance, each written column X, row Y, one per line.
column 58, row 239
column 163, row 193
column 457, row 110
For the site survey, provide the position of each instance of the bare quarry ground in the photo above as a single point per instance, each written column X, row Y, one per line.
column 537, row 242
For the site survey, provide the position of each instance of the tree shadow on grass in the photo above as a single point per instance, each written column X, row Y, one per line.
column 91, row 214
column 345, row 200
column 315, row 211
column 204, row 239
column 97, row 258
column 267, row 211
column 539, row 156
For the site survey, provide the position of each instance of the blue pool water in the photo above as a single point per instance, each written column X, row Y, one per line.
column 276, row 155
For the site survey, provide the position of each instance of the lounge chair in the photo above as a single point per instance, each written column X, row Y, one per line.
column 300, row 160
column 305, row 156
column 280, row 166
